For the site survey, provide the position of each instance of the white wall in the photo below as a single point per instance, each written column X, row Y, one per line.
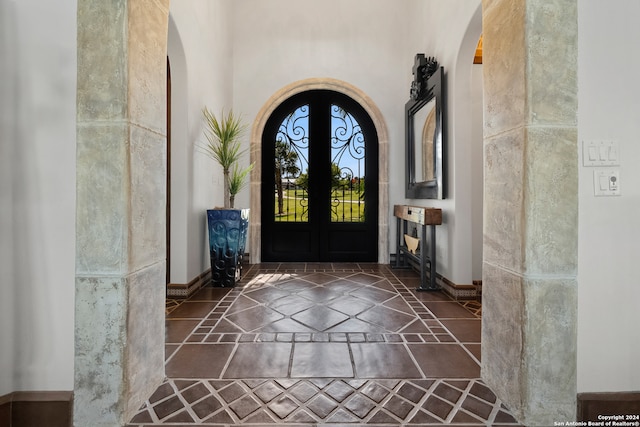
column 8, row 135
column 367, row 43
column 609, row 244
column 37, row 243
column 450, row 31
column 371, row 44
column 200, row 52
column 476, row 170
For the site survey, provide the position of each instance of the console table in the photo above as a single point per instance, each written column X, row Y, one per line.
column 425, row 257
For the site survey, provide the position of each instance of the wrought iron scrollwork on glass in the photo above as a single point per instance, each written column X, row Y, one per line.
column 292, row 167
column 347, row 167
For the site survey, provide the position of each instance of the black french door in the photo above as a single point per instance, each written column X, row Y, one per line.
column 320, row 181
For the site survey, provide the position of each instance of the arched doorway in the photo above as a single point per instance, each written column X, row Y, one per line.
column 319, row 181
column 370, row 109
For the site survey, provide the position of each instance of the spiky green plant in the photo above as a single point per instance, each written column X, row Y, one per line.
column 225, row 147
column 237, row 181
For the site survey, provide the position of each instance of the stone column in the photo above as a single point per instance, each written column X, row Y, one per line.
column 120, row 212
column 530, row 207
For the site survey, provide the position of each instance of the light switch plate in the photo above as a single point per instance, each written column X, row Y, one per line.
column 606, row 182
column 600, row 153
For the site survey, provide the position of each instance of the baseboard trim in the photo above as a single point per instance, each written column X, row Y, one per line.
column 37, row 408
column 456, row 291
column 591, row 405
column 185, row 290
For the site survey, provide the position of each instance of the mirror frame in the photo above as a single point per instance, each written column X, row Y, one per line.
column 427, row 85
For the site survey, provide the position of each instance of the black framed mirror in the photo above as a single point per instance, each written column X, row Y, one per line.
column 425, row 137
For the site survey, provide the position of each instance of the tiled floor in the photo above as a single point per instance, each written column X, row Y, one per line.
column 314, row 344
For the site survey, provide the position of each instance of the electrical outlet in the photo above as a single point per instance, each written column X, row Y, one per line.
column 606, row 182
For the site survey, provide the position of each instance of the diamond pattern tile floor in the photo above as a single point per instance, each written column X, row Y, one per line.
column 314, row 344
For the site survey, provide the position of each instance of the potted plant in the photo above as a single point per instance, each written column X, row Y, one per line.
column 227, row 226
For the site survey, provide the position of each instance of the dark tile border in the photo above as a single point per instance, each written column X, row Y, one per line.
column 324, row 401
column 591, row 405
column 185, row 290
column 5, row 410
column 37, row 409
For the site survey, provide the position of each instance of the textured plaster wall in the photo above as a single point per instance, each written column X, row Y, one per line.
column 531, row 207
column 120, row 224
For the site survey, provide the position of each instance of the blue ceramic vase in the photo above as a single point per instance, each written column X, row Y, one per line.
column 227, row 240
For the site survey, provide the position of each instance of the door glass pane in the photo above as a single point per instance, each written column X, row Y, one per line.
column 347, row 167
column 292, row 167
